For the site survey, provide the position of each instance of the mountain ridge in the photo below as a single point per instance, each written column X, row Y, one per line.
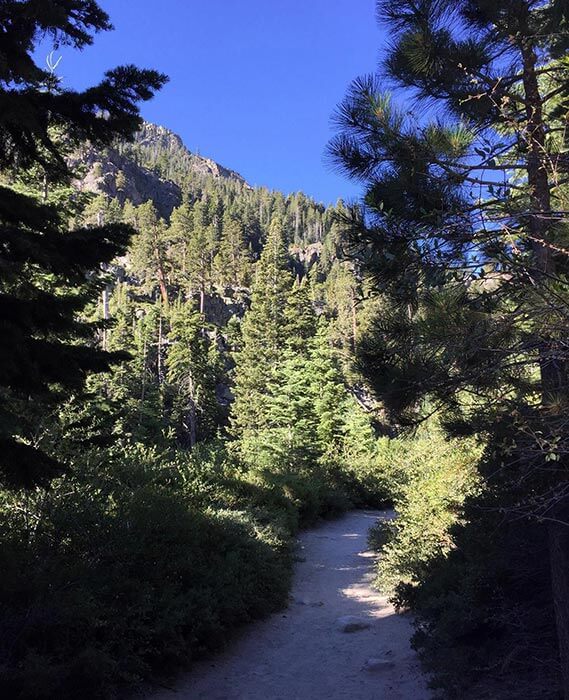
column 140, row 170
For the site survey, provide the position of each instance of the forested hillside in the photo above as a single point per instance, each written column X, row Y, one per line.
column 192, row 368
column 223, row 251
column 184, row 400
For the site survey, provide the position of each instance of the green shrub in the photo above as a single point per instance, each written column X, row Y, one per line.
column 143, row 559
column 107, row 580
column 430, row 480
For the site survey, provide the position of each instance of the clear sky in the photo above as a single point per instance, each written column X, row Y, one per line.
column 253, row 83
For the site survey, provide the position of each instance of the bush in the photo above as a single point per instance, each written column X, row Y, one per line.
column 141, row 560
column 477, row 582
column 107, row 581
column 430, row 478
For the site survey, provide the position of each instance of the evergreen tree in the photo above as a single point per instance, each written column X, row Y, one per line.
column 291, row 442
column 146, row 415
column 149, row 249
column 263, row 337
column 179, row 235
column 101, row 210
column 191, row 374
column 465, row 232
column 44, row 266
column 300, row 319
column 201, row 248
column 358, row 439
column 232, row 262
column 329, row 395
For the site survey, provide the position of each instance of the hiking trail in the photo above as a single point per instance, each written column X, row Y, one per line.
column 338, row 639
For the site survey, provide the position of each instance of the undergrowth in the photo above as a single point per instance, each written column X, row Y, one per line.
column 140, row 561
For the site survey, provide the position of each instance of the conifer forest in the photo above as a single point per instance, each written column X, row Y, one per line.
column 194, row 371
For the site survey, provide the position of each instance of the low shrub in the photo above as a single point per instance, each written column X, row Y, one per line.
column 430, row 477
column 141, row 560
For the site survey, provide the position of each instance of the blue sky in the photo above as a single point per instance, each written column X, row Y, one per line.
column 253, row 83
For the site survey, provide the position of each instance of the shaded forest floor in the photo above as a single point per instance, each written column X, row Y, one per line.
column 305, row 651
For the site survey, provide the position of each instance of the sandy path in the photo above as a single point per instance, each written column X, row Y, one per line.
column 300, row 654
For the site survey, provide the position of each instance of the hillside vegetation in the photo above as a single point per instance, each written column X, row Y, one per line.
column 228, row 418
column 192, row 369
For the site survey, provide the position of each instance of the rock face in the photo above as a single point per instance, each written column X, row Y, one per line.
column 351, row 623
column 116, row 175
column 153, row 140
column 304, row 258
column 145, row 169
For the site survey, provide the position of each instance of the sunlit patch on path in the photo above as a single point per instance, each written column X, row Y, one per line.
column 338, row 638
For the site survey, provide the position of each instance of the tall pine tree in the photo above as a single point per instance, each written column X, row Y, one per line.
column 263, row 338
column 465, row 231
column 44, row 268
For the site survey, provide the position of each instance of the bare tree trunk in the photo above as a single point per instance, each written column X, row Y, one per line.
column 159, row 368
column 160, row 270
column 106, row 313
column 192, row 423
column 162, row 284
column 143, row 387
column 354, row 320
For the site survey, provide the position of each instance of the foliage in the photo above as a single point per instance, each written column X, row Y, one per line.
column 430, row 477
column 45, row 270
column 139, row 328
column 463, row 236
column 134, row 564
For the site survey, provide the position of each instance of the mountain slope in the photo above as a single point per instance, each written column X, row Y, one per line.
column 156, row 166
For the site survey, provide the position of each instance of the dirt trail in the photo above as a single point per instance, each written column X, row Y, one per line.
column 301, row 654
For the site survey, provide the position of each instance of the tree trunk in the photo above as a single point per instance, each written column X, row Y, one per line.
column 354, row 320
column 106, row 313
column 160, row 270
column 192, row 424
column 192, row 414
column 162, row 284
column 159, row 363
column 553, row 367
column 559, row 561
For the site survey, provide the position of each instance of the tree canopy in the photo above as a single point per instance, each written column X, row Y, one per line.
column 47, row 269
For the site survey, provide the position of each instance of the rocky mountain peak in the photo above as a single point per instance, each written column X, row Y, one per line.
column 152, row 166
column 155, row 139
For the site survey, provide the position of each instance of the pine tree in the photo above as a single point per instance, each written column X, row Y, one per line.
column 101, row 210
column 192, row 368
column 179, row 235
column 291, row 443
column 358, row 439
column 149, row 249
column 232, row 262
column 465, row 232
column 263, row 338
column 201, row 247
column 300, row 319
column 44, row 266
column 329, row 395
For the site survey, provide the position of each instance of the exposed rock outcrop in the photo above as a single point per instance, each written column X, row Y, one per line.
column 145, row 169
column 115, row 175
